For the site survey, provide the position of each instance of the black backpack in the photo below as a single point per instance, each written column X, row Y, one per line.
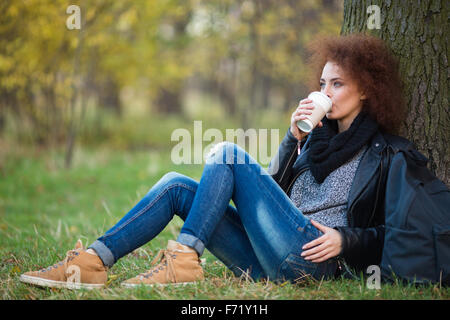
column 417, row 222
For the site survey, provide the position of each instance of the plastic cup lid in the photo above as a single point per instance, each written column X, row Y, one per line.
column 321, row 99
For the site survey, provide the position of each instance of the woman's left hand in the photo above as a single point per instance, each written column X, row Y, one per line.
column 325, row 247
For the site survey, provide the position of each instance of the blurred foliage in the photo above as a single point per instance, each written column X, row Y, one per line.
column 150, row 55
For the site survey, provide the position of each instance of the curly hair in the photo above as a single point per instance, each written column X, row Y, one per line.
column 370, row 63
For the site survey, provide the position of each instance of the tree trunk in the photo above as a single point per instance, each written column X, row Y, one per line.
column 417, row 34
column 227, row 93
column 168, row 101
column 109, row 96
column 76, row 79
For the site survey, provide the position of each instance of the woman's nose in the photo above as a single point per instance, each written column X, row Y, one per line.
column 326, row 90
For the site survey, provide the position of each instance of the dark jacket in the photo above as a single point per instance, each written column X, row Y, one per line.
column 362, row 240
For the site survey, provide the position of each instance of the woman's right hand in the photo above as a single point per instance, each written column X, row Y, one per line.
column 304, row 107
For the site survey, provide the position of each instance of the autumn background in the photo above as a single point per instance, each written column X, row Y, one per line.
column 234, row 62
column 86, row 118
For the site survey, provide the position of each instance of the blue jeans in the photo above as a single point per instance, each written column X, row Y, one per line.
column 262, row 234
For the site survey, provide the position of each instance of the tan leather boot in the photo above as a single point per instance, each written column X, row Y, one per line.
column 179, row 264
column 78, row 270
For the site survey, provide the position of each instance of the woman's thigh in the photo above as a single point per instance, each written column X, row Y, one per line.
column 276, row 228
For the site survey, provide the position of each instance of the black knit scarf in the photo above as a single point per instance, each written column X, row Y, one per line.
column 330, row 149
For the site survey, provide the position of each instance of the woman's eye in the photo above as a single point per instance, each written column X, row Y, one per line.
column 337, row 84
column 322, row 84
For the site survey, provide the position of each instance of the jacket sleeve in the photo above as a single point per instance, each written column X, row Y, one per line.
column 362, row 247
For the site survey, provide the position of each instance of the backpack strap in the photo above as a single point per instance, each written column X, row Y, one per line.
column 399, row 144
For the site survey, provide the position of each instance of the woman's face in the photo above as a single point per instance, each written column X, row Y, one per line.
column 344, row 93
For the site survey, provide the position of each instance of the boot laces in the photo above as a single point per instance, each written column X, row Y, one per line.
column 70, row 255
column 165, row 259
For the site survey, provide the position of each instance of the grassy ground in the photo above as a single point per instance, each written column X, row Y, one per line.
column 44, row 209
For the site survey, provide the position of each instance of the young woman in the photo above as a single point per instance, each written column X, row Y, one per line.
column 315, row 209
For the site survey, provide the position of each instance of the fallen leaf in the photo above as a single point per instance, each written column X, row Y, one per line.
column 15, row 270
column 111, row 278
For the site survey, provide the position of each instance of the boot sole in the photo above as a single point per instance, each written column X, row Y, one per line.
column 177, row 284
column 59, row 284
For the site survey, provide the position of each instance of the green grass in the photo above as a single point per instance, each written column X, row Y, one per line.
column 45, row 208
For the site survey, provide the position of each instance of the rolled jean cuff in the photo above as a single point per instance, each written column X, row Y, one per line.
column 103, row 252
column 191, row 241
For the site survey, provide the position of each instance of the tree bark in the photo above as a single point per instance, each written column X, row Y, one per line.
column 417, row 34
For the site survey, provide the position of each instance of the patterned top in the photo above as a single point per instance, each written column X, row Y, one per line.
column 326, row 203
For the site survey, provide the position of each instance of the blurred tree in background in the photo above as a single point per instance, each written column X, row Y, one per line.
column 248, row 55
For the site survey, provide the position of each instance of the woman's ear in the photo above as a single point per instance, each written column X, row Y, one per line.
column 363, row 97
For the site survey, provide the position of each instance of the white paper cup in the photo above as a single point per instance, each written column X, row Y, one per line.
column 322, row 105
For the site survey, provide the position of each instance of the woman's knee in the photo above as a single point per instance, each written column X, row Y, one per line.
column 172, row 177
column 226, row 153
